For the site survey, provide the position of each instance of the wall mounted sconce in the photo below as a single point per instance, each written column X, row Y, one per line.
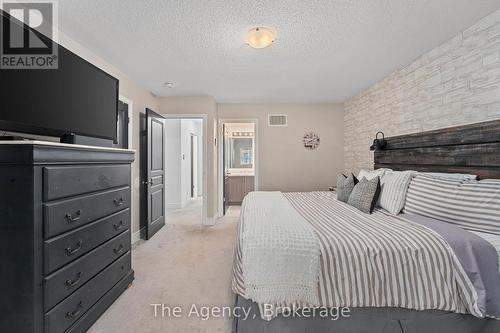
column 379, row 144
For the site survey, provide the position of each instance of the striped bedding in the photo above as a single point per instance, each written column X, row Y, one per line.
column 376, row 260
column 473, row 205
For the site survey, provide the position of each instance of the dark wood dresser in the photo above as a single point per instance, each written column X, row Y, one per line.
column 64, row 234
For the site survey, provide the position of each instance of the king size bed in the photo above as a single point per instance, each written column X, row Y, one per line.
column 426, row 259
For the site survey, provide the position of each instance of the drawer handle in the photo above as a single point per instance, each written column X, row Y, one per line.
column 118, row 202
column 118, row 249
column 73, row 283
column 73, row 218
column 78, row 247
column 71, row 315
column 118, row 226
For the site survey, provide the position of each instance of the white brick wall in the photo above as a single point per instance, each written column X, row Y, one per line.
column 456, row 83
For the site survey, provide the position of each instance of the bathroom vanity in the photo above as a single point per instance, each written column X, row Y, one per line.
column 239, row 177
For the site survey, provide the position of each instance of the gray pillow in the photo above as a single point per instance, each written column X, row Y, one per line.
column 344, row 186
column 365, row 194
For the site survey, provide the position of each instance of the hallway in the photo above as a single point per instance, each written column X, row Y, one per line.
column 191, row 212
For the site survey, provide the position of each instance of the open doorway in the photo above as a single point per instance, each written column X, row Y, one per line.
column 185, row 161
column 238, row 162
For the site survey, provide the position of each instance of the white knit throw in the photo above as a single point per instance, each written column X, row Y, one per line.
column 280, row 251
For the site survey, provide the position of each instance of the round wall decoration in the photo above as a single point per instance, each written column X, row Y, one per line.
column 311, row 140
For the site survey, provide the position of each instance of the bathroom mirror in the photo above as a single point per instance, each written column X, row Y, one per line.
column 241, row 153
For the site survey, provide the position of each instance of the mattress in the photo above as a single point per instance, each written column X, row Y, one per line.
column 493, row 240
column 354, row 256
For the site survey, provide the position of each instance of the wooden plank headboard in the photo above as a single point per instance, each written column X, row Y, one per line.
column 473, row 149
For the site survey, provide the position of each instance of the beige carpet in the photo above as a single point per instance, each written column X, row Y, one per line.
column 184, row 263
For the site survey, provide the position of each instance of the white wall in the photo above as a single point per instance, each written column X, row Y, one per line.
column 172, row 163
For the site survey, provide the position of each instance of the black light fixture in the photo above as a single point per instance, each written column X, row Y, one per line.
column 379, row 144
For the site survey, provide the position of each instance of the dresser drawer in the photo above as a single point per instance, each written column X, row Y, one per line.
column 90, row 317
column 61, row 182
column 69, row 214
column 68, row 311
column 67, row 247
column 73, row 276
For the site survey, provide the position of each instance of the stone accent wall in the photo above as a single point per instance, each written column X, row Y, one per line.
column 454, row 84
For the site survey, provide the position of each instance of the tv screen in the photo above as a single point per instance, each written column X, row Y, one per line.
column 75, row 98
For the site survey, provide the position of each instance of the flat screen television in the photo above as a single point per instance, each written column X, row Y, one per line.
column 76, row 98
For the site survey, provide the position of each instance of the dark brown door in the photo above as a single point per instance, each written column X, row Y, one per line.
column 153, row 182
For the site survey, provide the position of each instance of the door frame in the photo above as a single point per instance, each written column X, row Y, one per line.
column 193, row 141
column 220, row 162
column 204, row 118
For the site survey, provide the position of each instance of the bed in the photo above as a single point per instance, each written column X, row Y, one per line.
column 402, row 273
column 494, row 240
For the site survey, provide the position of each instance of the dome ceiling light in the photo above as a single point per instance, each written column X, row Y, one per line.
column 260, row 37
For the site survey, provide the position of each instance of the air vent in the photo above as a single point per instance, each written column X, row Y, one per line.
column 277, row 120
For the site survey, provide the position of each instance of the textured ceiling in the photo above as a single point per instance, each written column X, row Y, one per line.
column 326, row 51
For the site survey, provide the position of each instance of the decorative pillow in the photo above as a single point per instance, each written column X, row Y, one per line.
column 369, row 175
column 365, row 195
column 455, row 176
column 393, row 188
column 473, row 205
column 344, row 186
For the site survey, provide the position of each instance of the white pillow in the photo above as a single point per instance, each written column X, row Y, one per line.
column 369, row 175
column 393, row 188
column 453, row 176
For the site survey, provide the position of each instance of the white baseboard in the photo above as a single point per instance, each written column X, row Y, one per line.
column 136, row 236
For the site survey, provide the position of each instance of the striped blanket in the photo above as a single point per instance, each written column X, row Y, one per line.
column 375, row 260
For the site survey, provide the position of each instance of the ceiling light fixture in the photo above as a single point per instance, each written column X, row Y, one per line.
column 260, row 37
column 168, row 84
